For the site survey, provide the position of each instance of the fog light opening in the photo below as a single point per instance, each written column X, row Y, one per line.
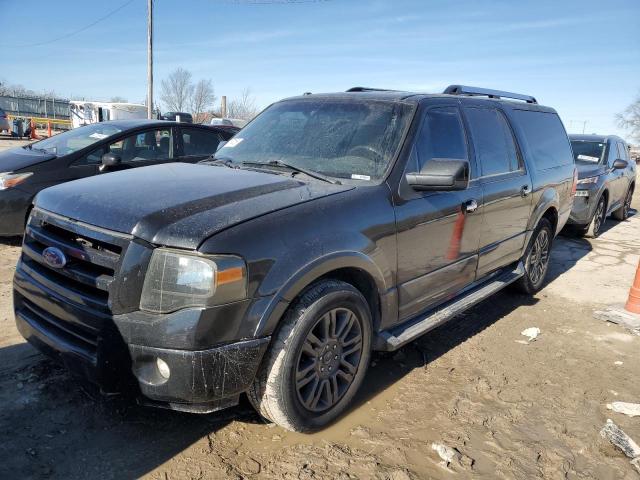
column 163, row 368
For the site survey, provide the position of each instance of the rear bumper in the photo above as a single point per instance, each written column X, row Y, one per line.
column 91, row 346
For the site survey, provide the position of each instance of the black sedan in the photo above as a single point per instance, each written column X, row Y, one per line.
column 94, row 149
column 606, row 181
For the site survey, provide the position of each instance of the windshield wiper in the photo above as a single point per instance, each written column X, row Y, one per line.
column 309, row 173
column 224, row 161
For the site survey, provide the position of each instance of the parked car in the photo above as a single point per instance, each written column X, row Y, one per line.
column 331, row 226
column 4, row 121
column 233, row 122
column 93, row 149
column 174, row 116
column 606, row 181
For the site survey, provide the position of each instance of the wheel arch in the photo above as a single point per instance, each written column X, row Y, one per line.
column 354, row 268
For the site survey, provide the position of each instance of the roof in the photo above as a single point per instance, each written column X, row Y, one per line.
column 593, row 137
column 414, row 98
column 144, row 122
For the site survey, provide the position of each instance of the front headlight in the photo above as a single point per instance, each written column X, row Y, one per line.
column 588, row 180
column 9, row 179
column 176, row 280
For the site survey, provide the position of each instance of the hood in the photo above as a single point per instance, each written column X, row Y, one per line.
column 18, row 158
column 178, row 204
column 589, row 170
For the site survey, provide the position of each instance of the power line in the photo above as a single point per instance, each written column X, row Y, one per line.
column 67, row 35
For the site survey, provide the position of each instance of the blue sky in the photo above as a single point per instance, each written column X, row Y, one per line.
column 581, row 57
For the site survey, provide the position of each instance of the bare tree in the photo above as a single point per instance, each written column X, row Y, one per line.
column 202, row 99
column 629, row 119
column 177, row 90
column 118, row 99
column 244, row 107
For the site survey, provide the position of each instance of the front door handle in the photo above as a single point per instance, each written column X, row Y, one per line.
column 470, row 206
column 525, row 190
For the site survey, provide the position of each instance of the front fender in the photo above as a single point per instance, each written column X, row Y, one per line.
column 317, row 269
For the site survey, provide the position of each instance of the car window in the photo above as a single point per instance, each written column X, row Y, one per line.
column 546, row 139
column 493, row 141
column 623, row 152
column 441, row 136
column 198, row 141
column 91, row 158
column 588, row 152
column 144, row 146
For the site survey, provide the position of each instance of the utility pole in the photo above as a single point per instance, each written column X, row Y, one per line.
column 223, row 107
column 150, row 59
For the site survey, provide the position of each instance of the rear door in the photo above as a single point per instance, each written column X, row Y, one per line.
column 437, row 238
column 506, row 188
column 198, row 143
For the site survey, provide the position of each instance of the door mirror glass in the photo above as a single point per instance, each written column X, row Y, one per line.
column 620, row 164
column 110, row 160
column 441, row 174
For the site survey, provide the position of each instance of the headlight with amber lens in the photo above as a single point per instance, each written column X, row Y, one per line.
column 9, row 179
column 176, row 280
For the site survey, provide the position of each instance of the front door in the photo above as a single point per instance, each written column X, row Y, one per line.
column 437, row 237
column 506, row 189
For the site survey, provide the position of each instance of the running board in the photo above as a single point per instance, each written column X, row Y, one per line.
column 390, row 340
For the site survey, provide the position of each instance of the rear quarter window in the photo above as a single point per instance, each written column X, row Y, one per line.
column 545, row 137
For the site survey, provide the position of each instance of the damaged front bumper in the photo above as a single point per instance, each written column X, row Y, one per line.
column 92, row 346
column 196, row 381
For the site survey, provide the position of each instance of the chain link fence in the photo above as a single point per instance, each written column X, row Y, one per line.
column 43, row 107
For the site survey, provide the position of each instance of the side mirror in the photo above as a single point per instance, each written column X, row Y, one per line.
column 221, row 144
column 110, row 160
column 441, row 174
column 619, row 164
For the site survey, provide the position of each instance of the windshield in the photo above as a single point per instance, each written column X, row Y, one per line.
column 76, row 139
column 336, row 138
column 587, row 152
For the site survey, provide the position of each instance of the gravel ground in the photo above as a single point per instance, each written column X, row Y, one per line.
column 512, row 409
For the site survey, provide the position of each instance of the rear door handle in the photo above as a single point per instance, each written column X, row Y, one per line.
column 470, row 206
column 525, row 190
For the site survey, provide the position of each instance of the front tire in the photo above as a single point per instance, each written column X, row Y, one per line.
column 595, row 226
column 317, row 360
column 536, row 259
column 623, row 212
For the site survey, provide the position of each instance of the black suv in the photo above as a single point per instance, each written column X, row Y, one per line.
column 331, row 226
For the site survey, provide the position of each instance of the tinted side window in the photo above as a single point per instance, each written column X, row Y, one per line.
column 144, row 146
column 441, row 136
column 91, row 158
column 199, row 142
column 546, row 139
column 493, row 141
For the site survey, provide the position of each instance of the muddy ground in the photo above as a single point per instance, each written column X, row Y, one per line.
column 514, row 410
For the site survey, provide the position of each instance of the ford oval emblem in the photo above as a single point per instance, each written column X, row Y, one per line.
column 54, row 257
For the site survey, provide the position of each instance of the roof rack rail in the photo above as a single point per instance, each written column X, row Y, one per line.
column 368, row 89
column 486, row 92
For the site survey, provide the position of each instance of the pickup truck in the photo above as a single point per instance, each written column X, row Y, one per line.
column 331, row 226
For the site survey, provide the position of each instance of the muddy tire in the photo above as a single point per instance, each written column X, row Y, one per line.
column 623, row 212
column 599, row 216
column 317, row 359
column 536, row 259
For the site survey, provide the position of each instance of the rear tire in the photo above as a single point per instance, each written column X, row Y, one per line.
column 623, row 212
column 317, row 359
column 536, row 259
